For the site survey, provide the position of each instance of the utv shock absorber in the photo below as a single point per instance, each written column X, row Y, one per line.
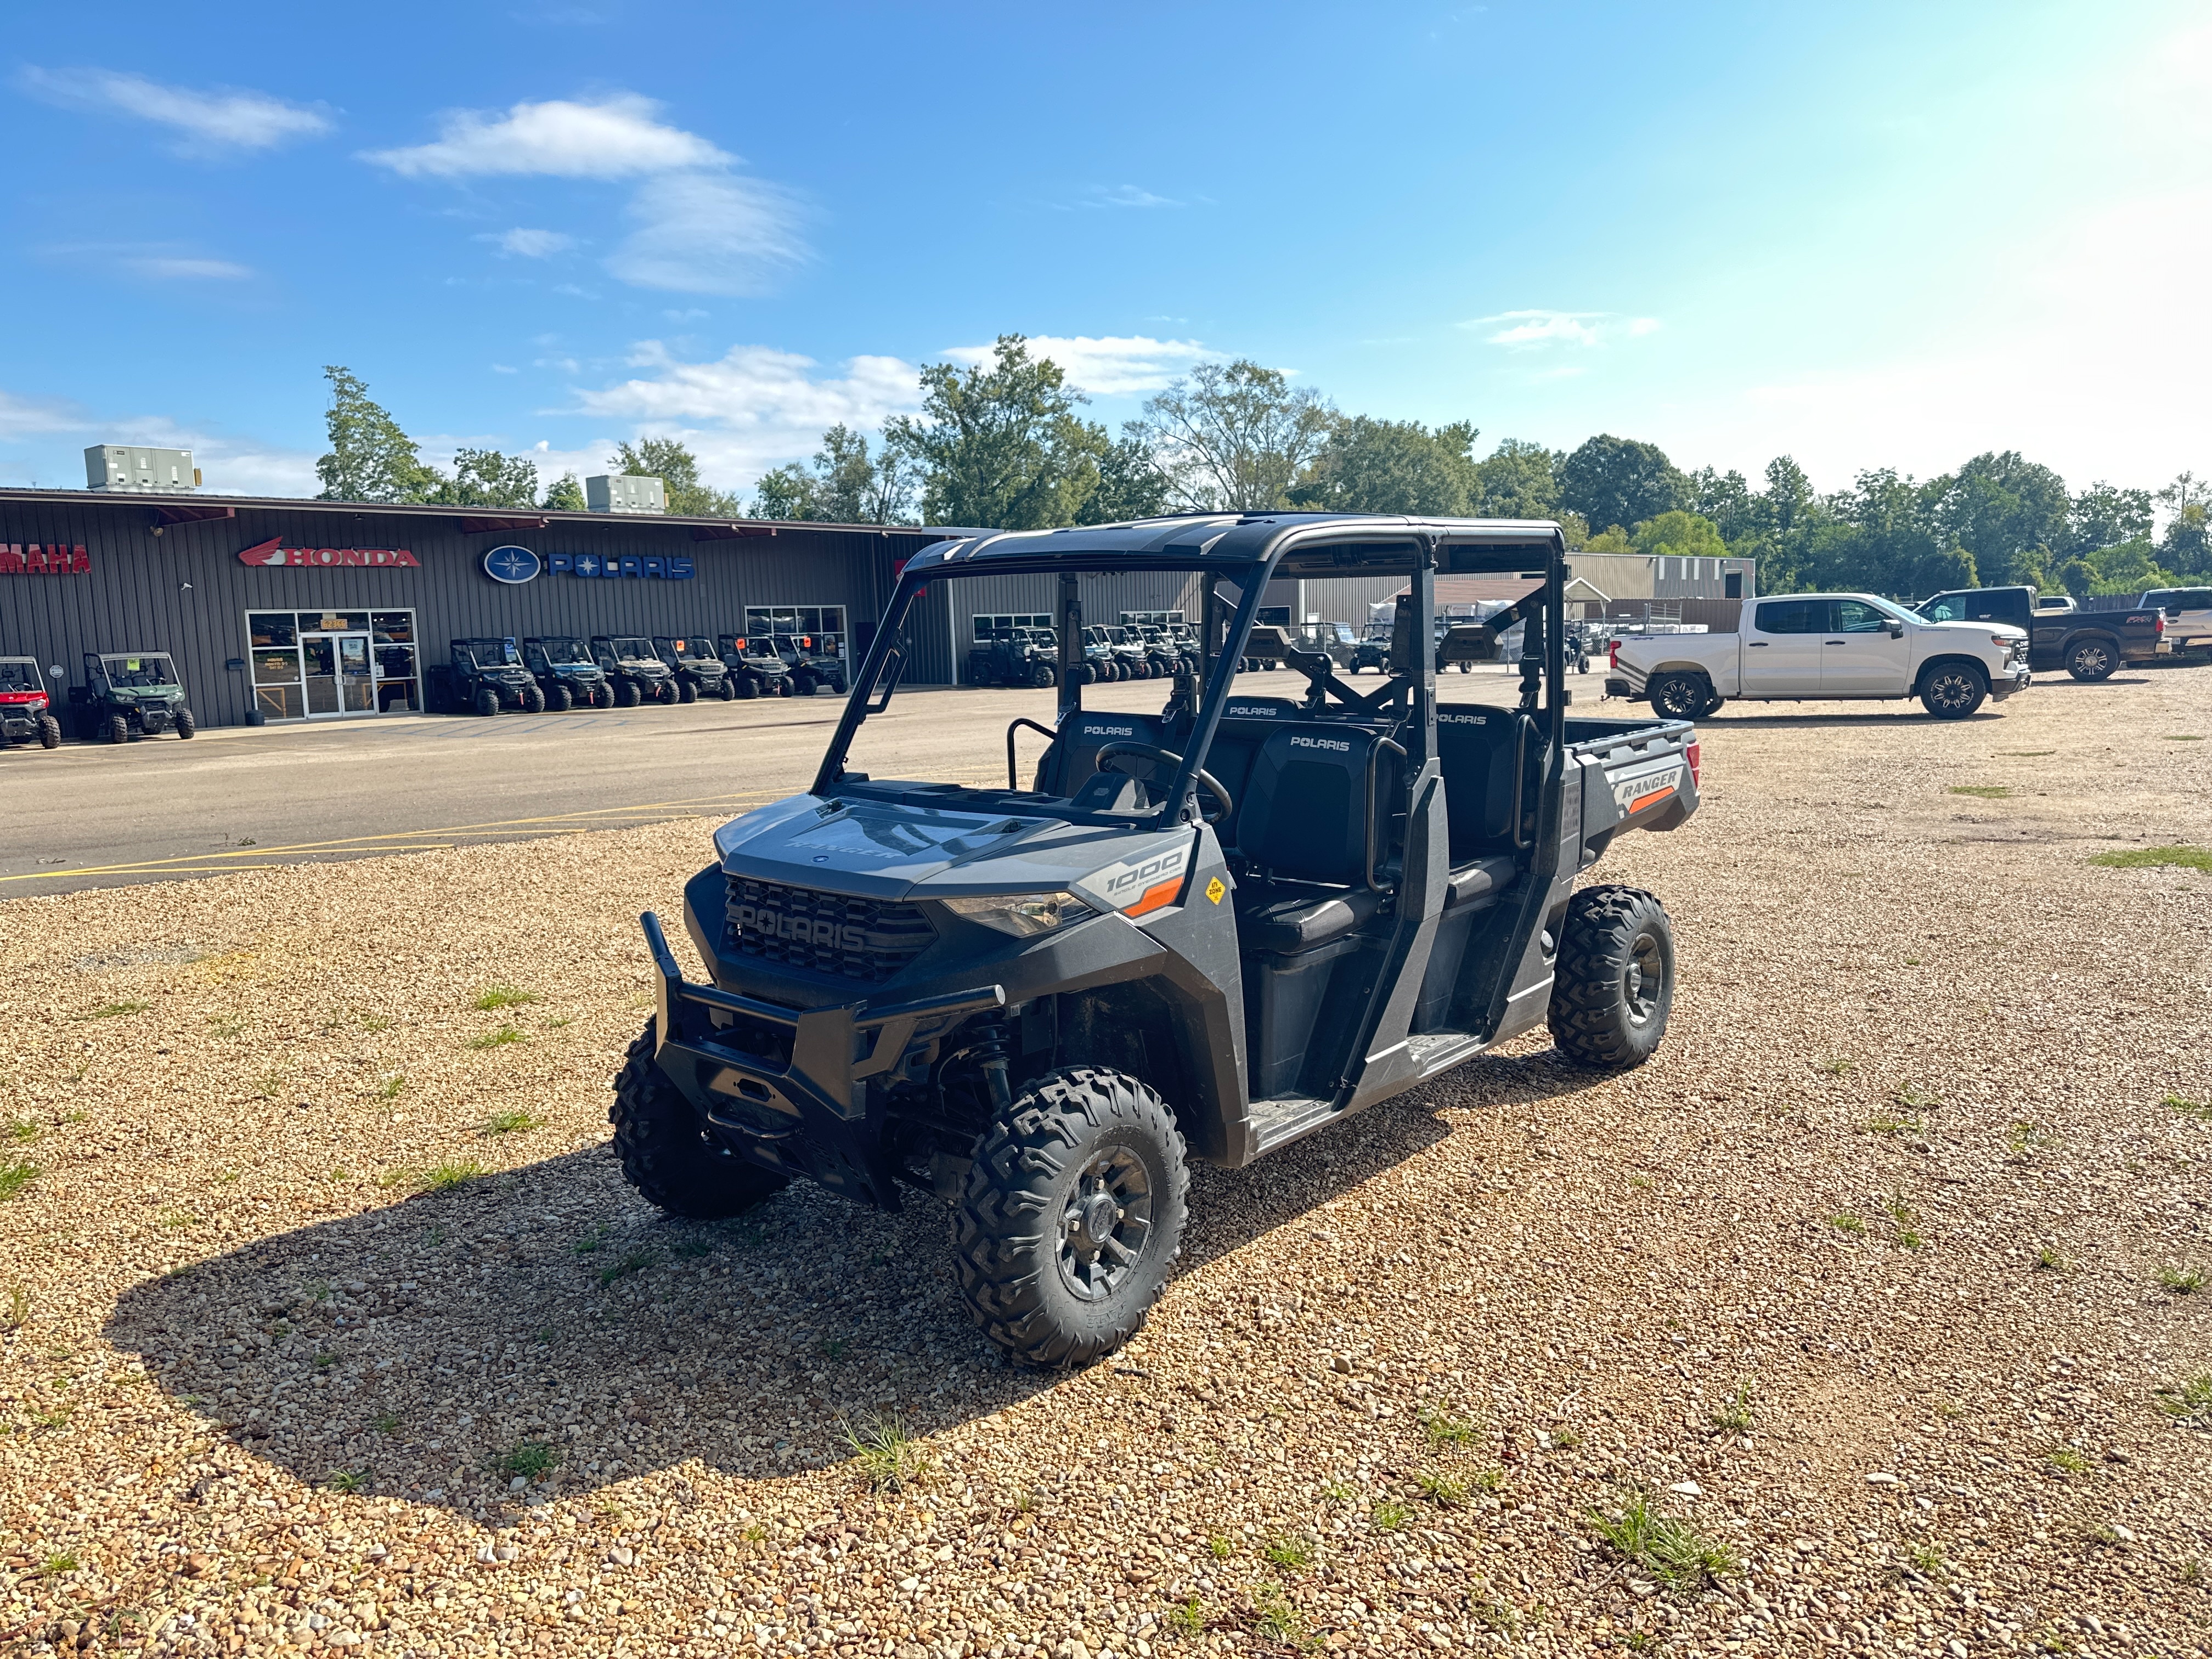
column 989, row 1051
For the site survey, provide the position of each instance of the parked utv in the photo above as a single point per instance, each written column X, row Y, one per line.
column 1016, row 656
column 813, row 661
column 636, row 674
column 481, row 677
column 565, row 672
column 755, row 668
column 1207, row 931
column 697, row 668
column 1373, row 650
column 1166, row 658
column 23, row 713
column 1101, row 662
column 130, row 694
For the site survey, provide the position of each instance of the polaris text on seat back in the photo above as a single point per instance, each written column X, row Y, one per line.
column 1203, row 927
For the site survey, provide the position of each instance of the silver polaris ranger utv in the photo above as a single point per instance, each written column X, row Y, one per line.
column 1205, row 931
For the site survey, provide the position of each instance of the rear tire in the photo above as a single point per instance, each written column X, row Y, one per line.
column 187, row 725
column 1679, row 697
column 2092, row 659
column 1615, row 979
column 1090, row 1147
column 50, row 731
column 1952, row 690
column 119, row 729
column 668, row 1155
column 1041, row 676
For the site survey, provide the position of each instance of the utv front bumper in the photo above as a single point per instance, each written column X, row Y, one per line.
column 803, row 1109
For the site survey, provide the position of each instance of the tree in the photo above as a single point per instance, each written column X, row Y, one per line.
column 1727, row 500
column 1680, row 536
column 677, row 468
column 2104, row 516
column 2187, row 545
column 485, row 477
column 999, row 446
column 789, row 491
column 1234, row 437
column 1130, row 486
column 1519, row 480
column 2008, row 512
column 1791, row 501
column 1367, row 466
column 1618, row 481
column 370, row 458
column 565, row 495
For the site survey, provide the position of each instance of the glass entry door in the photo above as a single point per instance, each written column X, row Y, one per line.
column 338, row 675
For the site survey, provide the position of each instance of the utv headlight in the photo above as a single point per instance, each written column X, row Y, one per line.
column 1023, row 915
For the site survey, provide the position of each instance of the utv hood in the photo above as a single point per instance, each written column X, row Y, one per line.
column 877, row 850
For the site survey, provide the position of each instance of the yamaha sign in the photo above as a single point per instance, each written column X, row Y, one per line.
column 512, row 565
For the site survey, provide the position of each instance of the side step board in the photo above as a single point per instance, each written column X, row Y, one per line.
column 1285, row 1118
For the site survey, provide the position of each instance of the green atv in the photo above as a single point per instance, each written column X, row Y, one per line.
column 127, row 695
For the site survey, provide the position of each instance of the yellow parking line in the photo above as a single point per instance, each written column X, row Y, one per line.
column 396, row 841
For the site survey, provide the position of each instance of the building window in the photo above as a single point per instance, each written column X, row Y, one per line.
column 1732, row 585
column 312, row 665
column 1154, row 618
column 1275, row 615
column 987, row 626
column 824, row 623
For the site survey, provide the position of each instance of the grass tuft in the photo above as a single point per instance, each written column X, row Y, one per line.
column 2201, row 1110
column 2048, row 1261
column 17, row 1313
column 1882, row 1123
column 390, row 1086
column 1277, row 1618
column 1670, row 1549
column 21, row 1130
column 444, row 1177
column 887, row 1459
column 1188, row 1617
column 511, row 1122
column 1927, row 1559
column 2067, row 1461
column 498, row 1037
column 346, row 1479
column 1389, row 1515
column 2155, row 858
column 531, row 1459
column 502, row 996
column 1220, row 1547
column 1735, row 1417
column 1847, row 1223
column 1984, row 791
column 1442, row 1490
column 634, row 1262
column 2192, row 1402
column 114, row 1009
column 2182, row 1281
column 1444, row 1430
column 15, row 1177
column 1287, row 1552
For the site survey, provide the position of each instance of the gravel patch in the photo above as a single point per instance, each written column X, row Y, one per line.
column 1852, row 1323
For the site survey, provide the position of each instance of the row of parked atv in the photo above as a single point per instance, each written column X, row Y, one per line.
column 1137, row 651
column 614, row 670
column 125, row 694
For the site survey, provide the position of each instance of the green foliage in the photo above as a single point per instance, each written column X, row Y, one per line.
column 1389, row 1515
column 1130, row 484
column 497, row 1037
column 371, row 459
column 530, row 1460
column 511, row 1122
column 1618, row 481
column 1680, row 535
column 1367, row 466
column 565, row 495
column 846, row 484
column 2187, row 545
column 16, row 1176
column 2192, row 1402
column 677, row 468
column 485, row 477
column 444, row 1177
column 1670, row 1549
column 1519, row 480
column 888, row 1461
column 2156, row 858
column 1000, row 445
column 1234, row 436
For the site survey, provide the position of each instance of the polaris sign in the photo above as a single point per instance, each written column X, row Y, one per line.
column 512, row 565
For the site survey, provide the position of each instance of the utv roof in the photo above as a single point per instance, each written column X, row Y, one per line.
column 1304, row 542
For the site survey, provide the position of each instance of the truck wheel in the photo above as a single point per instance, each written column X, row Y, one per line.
column 1616, row 979
column 534, row 701
column 185, row 724
column 728, row 689
column 1073, row 1214
column 1952, row 690
column 119, row 729
column 668, row 1156
column 2092, row 659
column 486, row 702
column 560, row 699
column 1679, row 697
column 50, row 731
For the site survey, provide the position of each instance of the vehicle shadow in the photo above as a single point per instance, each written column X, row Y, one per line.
column 1729, row 720
column 547, row 1327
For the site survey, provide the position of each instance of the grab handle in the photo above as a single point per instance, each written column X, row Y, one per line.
column 1014, row 777
column 1374, row 755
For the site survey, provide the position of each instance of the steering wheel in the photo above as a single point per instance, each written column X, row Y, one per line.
column 1208, row 785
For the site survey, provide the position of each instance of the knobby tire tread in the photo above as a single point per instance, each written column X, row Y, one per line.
column 663, row 1153
column 1588, row 1023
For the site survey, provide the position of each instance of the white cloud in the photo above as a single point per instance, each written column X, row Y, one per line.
column 154, row 261
column 618, row 137
column 20, row 417
column 1538, row 328
column 1130, row 196
column 211, row 122
column 1111, row 365
column 703, row 232
column 165, row 267
column 529, row 244
column 755, row 407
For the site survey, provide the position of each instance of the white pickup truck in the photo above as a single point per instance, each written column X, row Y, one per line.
column 1806, row 646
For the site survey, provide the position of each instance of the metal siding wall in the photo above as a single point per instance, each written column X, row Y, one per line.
column 133, row 596
column 1348, row 598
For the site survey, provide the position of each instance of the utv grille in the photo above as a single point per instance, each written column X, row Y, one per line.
column 830, row 934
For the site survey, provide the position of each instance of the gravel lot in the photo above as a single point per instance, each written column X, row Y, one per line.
column 333, row 1324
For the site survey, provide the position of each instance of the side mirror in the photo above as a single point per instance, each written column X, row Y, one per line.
column 1893, row 628
column 887, row 681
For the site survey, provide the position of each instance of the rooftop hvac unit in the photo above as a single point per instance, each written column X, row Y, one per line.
column 623, row 494
column 137, row 471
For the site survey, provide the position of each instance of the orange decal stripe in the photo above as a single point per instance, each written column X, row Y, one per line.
column 1155, row 898
column 1643, row 801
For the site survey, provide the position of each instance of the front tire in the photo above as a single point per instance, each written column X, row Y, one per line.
column 119, row 729
column 487, row 703
column 627, row 696
column 1679, row 697
column 534, row 701
column 2092, row 659
column 50, row 731
column 1073, row 1214
column 1615, row 979
column 727, row 689
column 1952, row 690
column 561, row 699
column 187, row 725
column 666, row 1153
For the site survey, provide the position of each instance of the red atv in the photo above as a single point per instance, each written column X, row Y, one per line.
column 23, row 705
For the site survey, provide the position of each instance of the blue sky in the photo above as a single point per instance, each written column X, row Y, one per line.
column 1887, row 235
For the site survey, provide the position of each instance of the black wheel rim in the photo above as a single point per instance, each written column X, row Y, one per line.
column 1104, row 1223
column 1643, row 981
column 1953, row 691
column 1676, row 697
column 2090, row 659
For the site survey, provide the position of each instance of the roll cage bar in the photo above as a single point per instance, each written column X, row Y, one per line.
column 1248, row 552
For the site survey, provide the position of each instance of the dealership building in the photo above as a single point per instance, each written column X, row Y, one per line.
column 280, row 610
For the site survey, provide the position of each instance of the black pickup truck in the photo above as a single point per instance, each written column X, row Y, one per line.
column 2088, row 644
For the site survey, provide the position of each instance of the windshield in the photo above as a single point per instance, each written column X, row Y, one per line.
column 19, row 676
column 485, row 653
column 628, row 649
column 140, row 673
column 566, row 651
column 1888, row 609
